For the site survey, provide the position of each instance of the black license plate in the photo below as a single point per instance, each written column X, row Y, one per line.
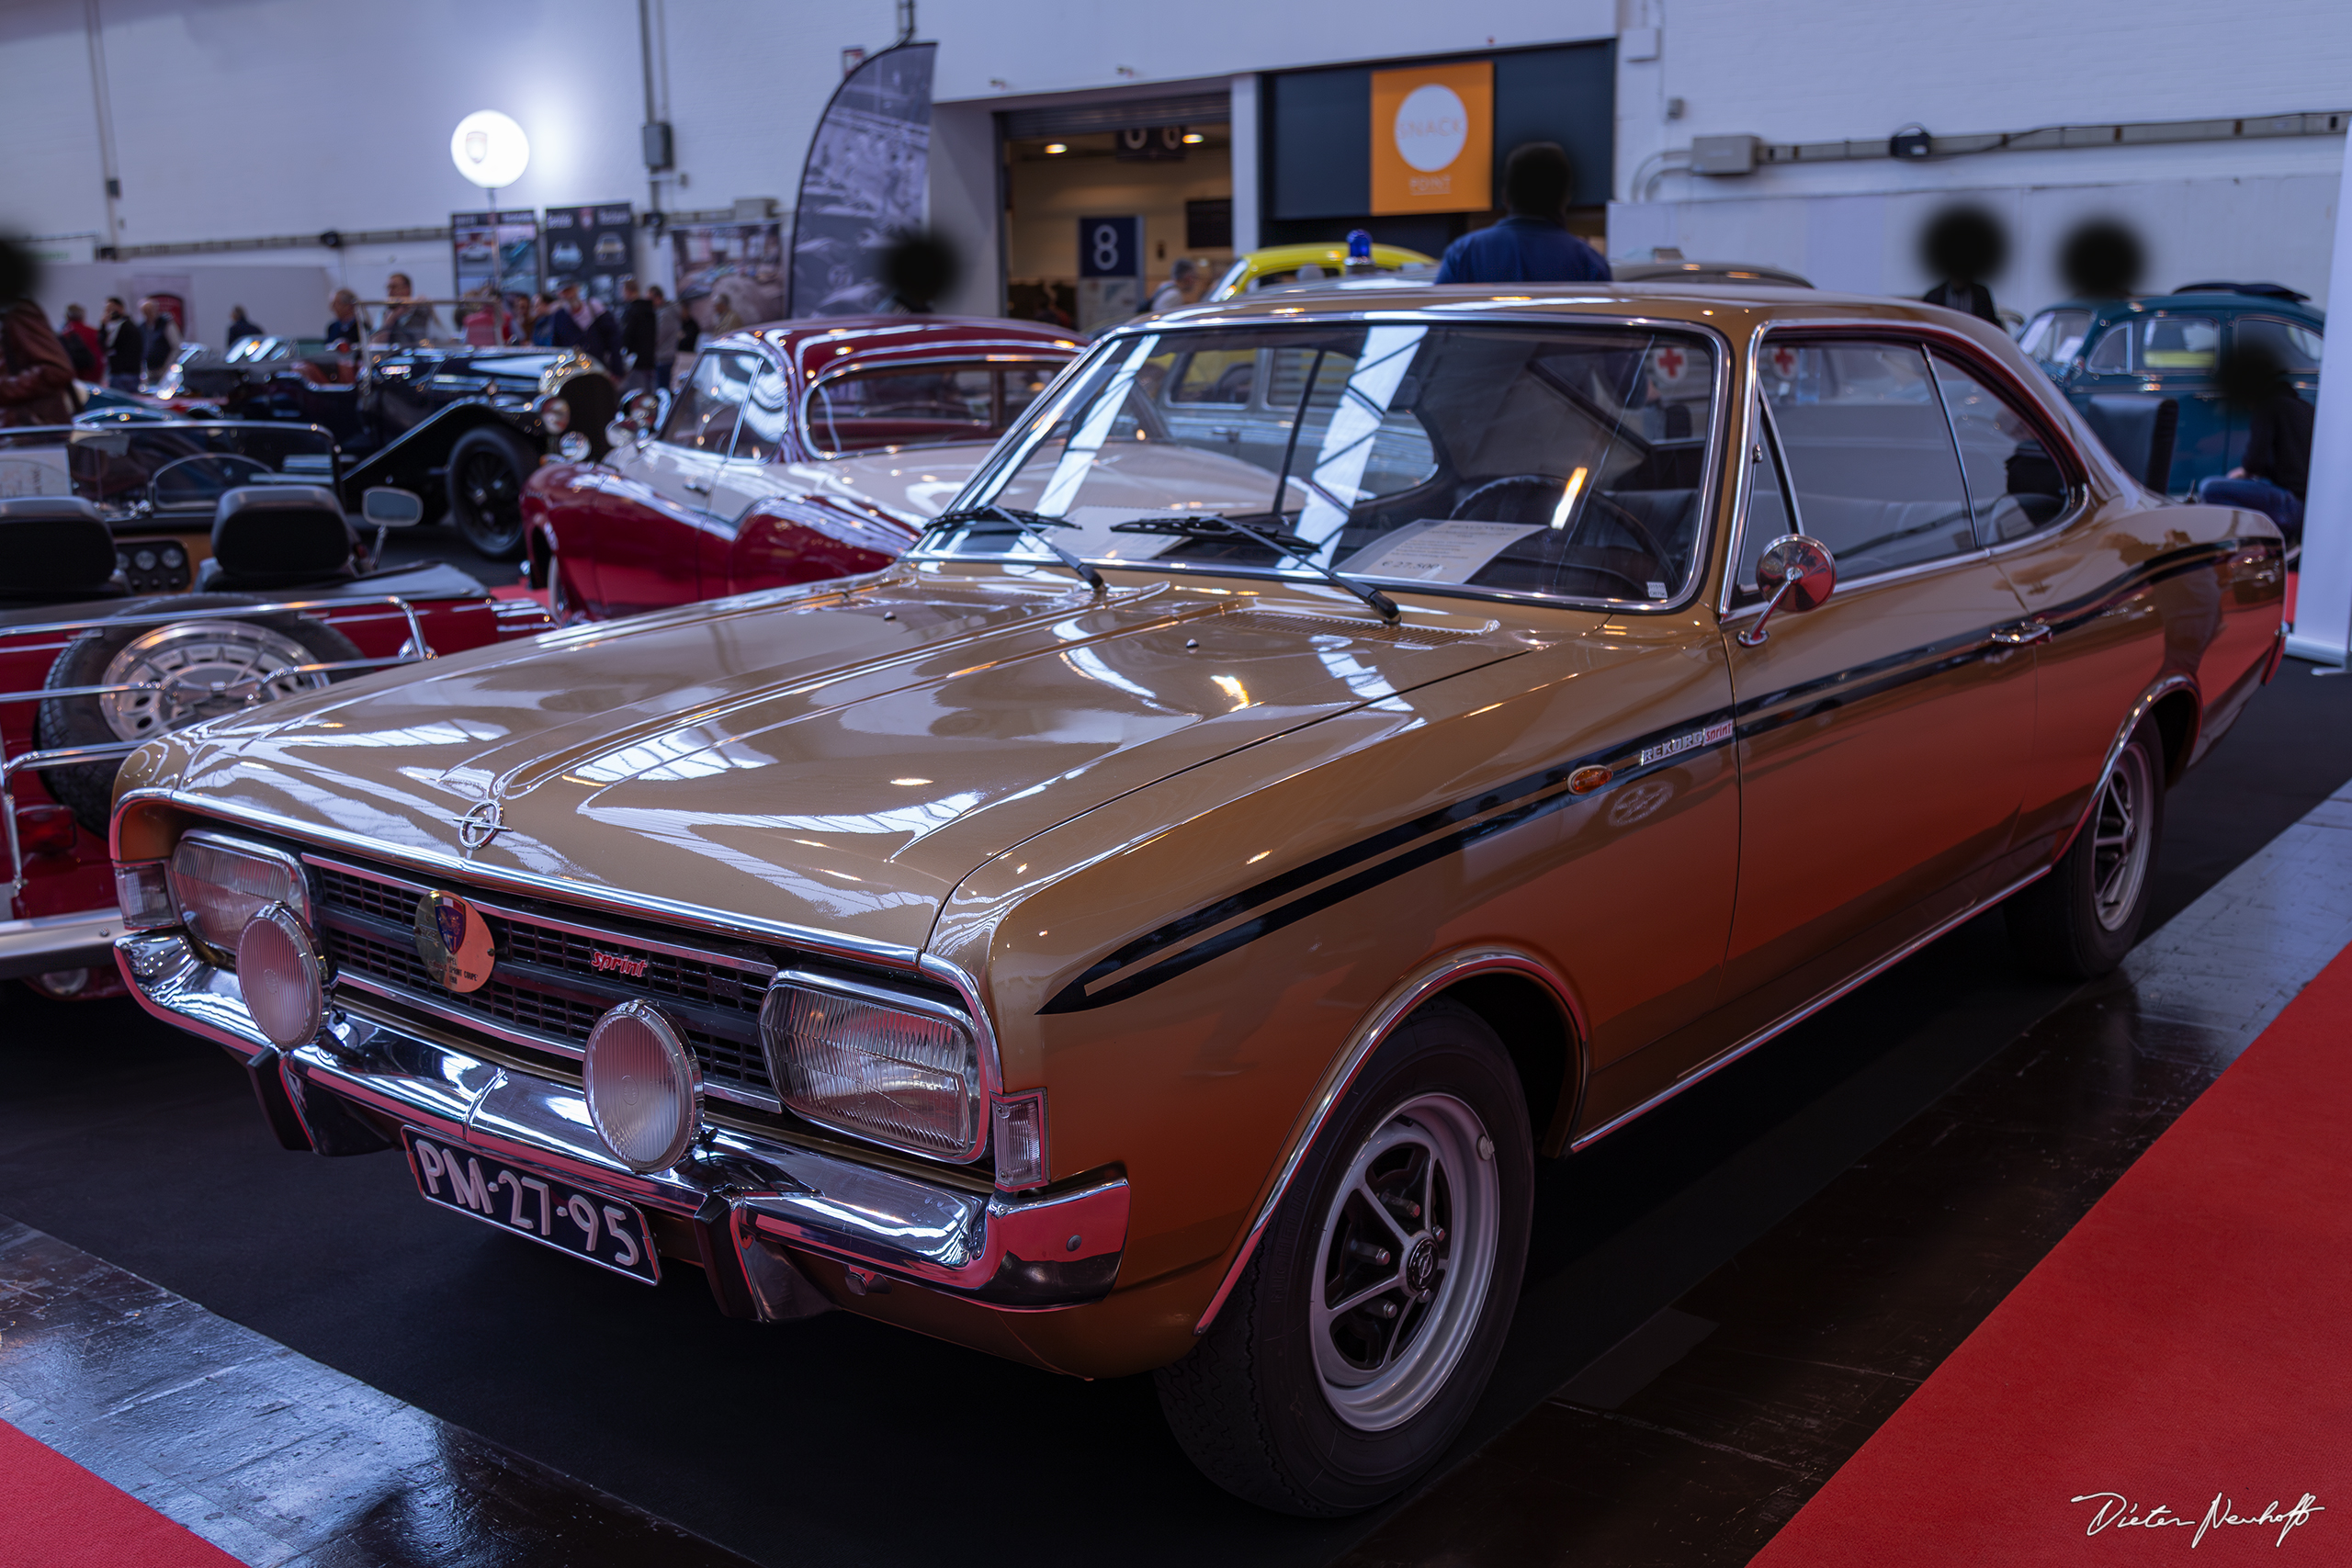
column 555, row 1214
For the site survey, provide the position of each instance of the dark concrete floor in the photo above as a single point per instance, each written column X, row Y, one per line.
column 839, row 1441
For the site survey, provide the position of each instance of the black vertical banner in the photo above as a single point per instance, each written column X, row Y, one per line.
column 865, row 186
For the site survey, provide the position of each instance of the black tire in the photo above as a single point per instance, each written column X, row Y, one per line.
column 87, row 788
column 2077, row 922
column 1253, row 1404
column 487, row 468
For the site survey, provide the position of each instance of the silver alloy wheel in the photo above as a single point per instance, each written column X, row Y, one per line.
column 1404, row 1261
column 199, row 670
column 2119, row 846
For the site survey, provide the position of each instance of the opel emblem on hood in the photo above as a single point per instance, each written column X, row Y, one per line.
column 479, row 824
column 454, row 940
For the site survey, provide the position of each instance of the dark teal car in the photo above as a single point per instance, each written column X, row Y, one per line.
column 2170, row 344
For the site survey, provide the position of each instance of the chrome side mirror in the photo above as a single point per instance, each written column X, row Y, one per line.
column 641, row 415
column 1800, row 573
column 384, row 506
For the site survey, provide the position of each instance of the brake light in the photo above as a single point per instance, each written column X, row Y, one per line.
column 46, row 830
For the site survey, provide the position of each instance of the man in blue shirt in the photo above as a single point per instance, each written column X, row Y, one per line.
column 1532, row 244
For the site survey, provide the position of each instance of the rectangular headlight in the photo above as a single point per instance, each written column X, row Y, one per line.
column 145, row 895
column 218, row 884
column 894, row 1071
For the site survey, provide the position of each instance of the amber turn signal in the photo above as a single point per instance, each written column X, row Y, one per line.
column 1584, row 780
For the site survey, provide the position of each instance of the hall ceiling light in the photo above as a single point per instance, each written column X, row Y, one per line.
column 1193, row 139
column 490, row 149
column 1053, row 147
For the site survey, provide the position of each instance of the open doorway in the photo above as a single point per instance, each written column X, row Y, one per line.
column 1174, row 180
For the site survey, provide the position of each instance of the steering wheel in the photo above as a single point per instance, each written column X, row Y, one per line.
column 1555, row 485
column 230, row 475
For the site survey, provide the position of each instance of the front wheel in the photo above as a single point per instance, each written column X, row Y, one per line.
column 2077, row 922
column 487, row 468
column 1358, row 1338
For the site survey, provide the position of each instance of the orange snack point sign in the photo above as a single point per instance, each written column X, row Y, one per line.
column 1433, row 139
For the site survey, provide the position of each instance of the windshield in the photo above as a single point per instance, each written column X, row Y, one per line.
column 2054, row 337
column 1560, row 459
column 181, row 466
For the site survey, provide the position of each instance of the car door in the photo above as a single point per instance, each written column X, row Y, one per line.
column 2295, row 346
column 2171, row 354
column 1884, row 737
column 648, row 553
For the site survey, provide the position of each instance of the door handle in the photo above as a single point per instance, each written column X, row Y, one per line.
column 705, row 489
column 2016, row 634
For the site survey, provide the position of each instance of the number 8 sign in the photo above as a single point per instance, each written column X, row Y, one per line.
column 1110, row 247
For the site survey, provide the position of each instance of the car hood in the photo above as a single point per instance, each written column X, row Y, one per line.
column 917, row 484
column 830, row 762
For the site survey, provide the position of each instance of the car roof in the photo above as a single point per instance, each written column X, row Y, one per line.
column 811, row 344
column 1736, row 308
column 2206, row 301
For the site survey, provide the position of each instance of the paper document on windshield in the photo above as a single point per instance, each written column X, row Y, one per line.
column 35, row 470
column 1092, row 538
column 1443, row 549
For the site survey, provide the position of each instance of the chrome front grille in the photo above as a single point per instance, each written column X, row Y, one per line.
column 545, row 990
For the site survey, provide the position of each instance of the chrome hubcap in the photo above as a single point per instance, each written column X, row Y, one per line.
column 2118, row 841
column 1403, row 1263
column 199, row 670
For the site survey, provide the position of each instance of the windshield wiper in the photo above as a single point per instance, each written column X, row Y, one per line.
column 1032, row 523
column 1208, row 526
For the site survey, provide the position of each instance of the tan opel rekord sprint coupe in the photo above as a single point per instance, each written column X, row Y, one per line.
column 1331, row 756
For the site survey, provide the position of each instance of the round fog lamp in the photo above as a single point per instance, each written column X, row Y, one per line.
column 555, row 415
column 573, row 447
column 277, row 970
column 644, row 1089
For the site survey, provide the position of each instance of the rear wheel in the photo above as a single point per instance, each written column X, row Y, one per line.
column 2079, row 922
column 1355, row 1343
column 487, row 468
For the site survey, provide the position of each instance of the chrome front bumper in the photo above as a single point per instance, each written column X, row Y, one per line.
column 751, row 1200
column 39, row 943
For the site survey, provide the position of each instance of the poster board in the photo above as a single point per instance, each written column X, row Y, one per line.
column 593, row 246
column 729, row 271
column 499, row 249
column 1433, row 138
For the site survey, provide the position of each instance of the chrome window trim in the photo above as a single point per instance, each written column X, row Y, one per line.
column 1431, row 977
column 1014, row 447
column 230, row 841
column 1973, row 357
column 1025, row 353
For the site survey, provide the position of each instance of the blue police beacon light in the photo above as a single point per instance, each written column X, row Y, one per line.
column 1360, row 250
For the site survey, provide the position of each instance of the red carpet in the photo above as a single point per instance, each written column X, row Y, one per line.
column 2190, row 1341
column 54, row 1514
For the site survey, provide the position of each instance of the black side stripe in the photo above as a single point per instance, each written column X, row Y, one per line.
column 1234, row 921
column 1242, row 918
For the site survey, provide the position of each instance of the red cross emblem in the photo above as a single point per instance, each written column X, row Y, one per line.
column 1784, row 360
column 1669, row 364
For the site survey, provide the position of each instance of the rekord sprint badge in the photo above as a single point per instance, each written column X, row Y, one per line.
column 454, row 940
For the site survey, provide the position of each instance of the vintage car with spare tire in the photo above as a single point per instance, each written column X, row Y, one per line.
column 100, row 650
column 1331, row 757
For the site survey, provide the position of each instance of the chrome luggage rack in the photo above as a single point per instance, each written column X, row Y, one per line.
column 415, row 652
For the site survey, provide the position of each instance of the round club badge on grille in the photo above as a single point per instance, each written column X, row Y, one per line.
column 644, row 1087
column 454, row 940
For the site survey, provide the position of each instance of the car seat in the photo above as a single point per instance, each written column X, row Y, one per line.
column 278, row 535
column 59, row 550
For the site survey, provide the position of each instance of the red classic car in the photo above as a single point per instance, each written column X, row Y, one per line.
column 788, row 454
column 102, row 647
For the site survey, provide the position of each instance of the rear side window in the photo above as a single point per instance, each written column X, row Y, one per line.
column 1869, row 453
column 2295, row 346
column 2158, row 345
column 2013, row 484
column 862, row 411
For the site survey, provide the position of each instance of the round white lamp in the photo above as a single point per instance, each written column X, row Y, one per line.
column 490, row 149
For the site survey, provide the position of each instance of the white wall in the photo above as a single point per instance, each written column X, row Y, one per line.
column 1832, row 69
column 240, row 118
